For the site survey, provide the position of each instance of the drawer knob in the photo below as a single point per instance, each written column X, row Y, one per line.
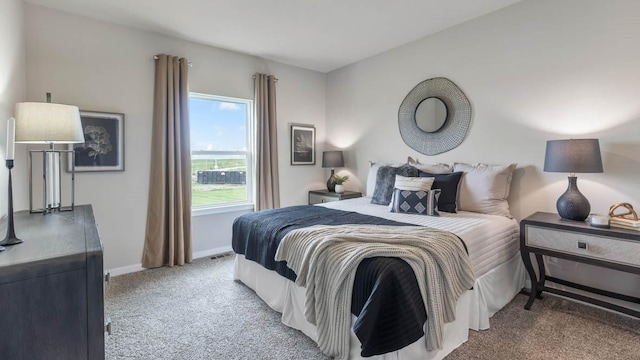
column 107, row 325
column 107, row 277
column 582, row 245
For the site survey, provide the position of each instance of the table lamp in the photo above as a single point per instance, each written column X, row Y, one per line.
column 573, row 156
column 47, row 123
column 332, row 159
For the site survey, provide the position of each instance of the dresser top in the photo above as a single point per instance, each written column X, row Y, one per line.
column 49, row 239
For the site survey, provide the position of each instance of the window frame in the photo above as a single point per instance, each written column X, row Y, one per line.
column 249, row 153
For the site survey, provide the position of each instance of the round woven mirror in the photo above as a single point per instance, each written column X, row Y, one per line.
column 434, row 117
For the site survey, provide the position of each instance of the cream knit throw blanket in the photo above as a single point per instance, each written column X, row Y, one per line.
column 326, row 258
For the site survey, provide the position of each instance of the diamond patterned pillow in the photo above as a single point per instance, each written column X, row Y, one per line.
column 416, row 202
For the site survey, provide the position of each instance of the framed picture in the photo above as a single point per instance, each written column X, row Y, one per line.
column 103, row 147
column 303, row 144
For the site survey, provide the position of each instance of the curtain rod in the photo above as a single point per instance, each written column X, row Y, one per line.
column 275, row 78
column 156, row 57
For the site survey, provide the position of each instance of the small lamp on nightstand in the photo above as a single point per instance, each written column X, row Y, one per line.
column 332, row 159
column 573, row 156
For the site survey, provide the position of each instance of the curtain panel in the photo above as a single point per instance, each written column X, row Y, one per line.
column 267, row 188
column 168, row 232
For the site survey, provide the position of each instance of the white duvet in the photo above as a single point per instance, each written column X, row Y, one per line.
column 490, row 239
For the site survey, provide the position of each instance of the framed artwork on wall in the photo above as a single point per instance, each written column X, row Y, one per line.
column 103, row 147
column 303, row 144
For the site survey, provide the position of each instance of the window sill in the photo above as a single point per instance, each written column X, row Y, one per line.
column 211, row 210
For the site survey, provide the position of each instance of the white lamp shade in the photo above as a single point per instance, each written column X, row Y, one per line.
column 47, row 123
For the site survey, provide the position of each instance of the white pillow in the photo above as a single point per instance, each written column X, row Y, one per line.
column 411, row 184
column 371, row 179
column 438, row 168
column 485, row 188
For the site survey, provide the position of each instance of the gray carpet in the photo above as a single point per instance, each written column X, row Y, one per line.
column 197, row 311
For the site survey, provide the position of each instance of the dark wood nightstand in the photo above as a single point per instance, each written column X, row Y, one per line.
column 546, row 234
column 323, row 196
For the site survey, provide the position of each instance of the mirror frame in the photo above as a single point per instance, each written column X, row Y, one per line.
column 455, row 127
column 446, row 112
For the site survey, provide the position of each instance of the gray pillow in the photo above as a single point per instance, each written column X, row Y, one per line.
column 485, row 188
column 416, row 202
column 386, row 179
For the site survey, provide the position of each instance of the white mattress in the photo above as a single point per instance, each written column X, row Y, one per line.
column 490, row 239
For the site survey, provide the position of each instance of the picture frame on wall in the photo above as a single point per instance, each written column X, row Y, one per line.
column 303, row 144
column 103, row 148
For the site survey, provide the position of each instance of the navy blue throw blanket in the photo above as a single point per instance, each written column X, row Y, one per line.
column 386, row 297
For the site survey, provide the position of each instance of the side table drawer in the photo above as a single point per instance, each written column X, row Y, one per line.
column 597, row 247
column 319, row 199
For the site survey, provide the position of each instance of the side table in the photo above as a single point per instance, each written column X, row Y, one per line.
column 546, row 234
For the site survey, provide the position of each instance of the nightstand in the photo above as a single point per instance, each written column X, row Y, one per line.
column 546, row 234
column 323, row 196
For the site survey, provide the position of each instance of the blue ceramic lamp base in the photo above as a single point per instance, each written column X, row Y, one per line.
column 572, row 205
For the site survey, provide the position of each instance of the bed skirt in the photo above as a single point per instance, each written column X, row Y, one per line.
column 490, row 293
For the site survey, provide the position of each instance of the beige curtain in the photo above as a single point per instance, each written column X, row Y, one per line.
column 168, row 237
column 268, row 189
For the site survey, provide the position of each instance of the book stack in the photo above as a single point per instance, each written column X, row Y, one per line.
column 625, row 223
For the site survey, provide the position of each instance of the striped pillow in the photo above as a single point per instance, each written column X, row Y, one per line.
column 416, row 202
column 413, row 183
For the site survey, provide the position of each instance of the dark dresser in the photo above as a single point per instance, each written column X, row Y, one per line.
column 51, row 288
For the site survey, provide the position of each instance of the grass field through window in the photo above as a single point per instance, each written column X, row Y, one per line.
column 211, row 194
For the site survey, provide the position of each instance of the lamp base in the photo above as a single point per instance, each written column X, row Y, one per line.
column 331, row 183
column 10, row 241
column 51, row 189
column 572, row 205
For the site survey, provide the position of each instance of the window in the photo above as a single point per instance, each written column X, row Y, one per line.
column 221, row 150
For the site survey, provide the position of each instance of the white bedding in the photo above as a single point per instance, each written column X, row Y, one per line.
column 490, row 239
column 492, row 242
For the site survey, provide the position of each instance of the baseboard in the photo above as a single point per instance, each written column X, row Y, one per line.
column 126, row 269
column 211, row 252
column 197, row 255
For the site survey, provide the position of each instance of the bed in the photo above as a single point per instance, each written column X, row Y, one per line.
column 492, row 245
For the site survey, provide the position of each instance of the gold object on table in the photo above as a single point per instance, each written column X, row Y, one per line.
column 630, row 214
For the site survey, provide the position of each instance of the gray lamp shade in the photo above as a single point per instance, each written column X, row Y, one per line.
column 332, row 159
column 573, row 156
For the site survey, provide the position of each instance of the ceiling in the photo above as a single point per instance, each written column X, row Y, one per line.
column 320, row 35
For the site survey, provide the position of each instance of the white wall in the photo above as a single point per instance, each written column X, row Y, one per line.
column 534, row 71
column 12, row 85
column 106, row 67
